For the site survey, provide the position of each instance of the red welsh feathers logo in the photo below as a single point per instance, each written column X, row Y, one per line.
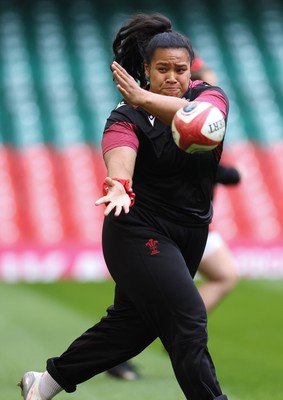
column 152, row 244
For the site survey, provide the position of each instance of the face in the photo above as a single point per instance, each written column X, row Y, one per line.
column 169, row 72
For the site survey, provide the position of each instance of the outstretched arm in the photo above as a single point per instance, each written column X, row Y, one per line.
column 120, row 163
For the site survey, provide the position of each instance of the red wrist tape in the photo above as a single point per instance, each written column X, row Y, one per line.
column 128, row 189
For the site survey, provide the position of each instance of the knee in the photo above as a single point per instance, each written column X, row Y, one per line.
column 188, row 355
column 227, row 278
column 230, row 279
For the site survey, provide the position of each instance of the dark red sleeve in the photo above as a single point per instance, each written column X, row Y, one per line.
column 120, row 134
column 212, row 96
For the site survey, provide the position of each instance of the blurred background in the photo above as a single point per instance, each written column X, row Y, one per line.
column 56, row 92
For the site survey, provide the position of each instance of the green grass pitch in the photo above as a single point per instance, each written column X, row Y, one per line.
column 245, row 339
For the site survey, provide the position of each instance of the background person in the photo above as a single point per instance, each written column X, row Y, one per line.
column 201, row 71
column 158, row 209
column 218, row 266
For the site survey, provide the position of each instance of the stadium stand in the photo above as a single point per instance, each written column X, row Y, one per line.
column 55, row 94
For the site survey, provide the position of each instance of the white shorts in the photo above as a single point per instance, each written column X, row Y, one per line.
column 214, row 242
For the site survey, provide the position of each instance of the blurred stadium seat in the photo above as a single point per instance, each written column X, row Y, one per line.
column 57, row 90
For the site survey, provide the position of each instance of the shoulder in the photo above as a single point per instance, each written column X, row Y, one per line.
column 133, row 116
column 198, row 87
column 202, row 91
column 123, row 108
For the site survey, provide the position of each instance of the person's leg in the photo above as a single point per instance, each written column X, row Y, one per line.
column 112, row 341
column 119, row 336
column 219, row 270
column 126, row 371
column 183, row 329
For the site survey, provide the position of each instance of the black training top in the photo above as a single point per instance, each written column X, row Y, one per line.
column 168, row 181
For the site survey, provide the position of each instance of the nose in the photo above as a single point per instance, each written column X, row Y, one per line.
column 171, row 76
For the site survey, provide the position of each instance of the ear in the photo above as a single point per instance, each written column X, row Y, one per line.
column 146, row 69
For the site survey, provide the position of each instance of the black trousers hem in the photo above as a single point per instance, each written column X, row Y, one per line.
column 68, row 387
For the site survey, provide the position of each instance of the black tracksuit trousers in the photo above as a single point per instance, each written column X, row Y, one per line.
column 152, row 262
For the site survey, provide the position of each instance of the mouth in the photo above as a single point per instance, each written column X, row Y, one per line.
column 171, row 89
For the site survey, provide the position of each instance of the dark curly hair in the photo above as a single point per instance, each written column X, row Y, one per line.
column 137, row 40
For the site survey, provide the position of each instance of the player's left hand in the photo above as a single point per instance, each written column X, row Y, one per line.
column 116, row 198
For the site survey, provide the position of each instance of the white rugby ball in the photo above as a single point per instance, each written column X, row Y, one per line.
column 198, row 127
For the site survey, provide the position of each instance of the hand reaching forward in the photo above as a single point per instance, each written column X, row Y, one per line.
column 115, row 198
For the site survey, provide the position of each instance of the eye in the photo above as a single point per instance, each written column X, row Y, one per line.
column 181, row 70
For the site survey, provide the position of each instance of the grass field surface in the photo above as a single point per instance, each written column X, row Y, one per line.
column 38, row 321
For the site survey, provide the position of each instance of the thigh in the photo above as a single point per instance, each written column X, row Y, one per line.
column 219, row 265
column 214, row 242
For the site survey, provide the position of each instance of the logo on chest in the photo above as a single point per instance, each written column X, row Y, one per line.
column 151, row 119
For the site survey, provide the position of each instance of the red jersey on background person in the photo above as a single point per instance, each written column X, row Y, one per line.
column 201, row 71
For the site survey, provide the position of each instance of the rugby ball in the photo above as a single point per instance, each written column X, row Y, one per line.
column 198, row 127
